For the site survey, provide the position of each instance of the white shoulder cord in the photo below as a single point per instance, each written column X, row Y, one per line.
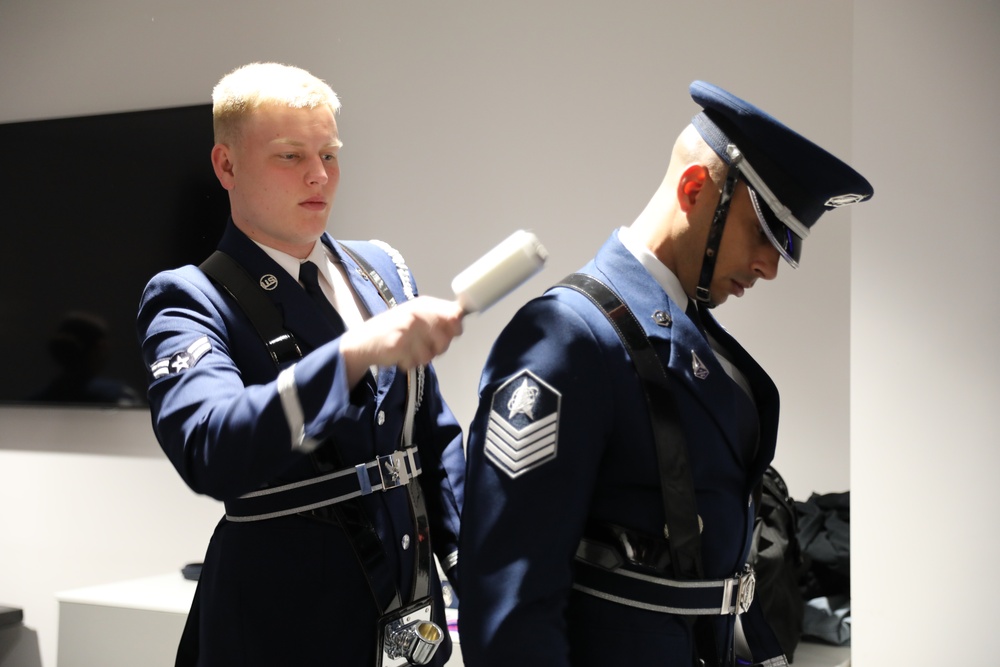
column 401, row 268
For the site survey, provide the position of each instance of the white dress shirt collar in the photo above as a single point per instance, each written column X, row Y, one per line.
column 664, row 276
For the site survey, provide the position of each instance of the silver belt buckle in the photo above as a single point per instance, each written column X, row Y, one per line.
column 392, row 470
column 747, row 588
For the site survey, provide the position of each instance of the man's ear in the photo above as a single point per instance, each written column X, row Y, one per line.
column 690, row 185
column 223, row 164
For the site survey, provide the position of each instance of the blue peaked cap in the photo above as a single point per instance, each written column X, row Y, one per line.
column 792, row 180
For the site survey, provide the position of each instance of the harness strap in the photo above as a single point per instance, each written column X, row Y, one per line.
column 266, row 319
column 682, row 526
column 384, row 473
column 600, row 573
column 414, row 380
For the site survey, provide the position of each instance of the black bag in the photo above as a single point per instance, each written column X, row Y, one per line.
column 824, row 533
column 777, row 559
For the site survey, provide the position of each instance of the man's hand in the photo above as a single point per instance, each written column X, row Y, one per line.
column 407, row 336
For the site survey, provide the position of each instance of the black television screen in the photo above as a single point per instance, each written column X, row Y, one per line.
column 92, row 207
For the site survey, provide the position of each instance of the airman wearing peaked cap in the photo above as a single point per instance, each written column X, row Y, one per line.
column 791, row 180
column 622, row 434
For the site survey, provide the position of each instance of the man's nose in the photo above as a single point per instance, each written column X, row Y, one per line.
column 316, row 172
column 766, row 263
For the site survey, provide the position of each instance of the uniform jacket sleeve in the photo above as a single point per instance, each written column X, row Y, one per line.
column 522, row 519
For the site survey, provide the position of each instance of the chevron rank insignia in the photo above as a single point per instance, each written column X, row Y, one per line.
column 181, row 361
column 524, row 424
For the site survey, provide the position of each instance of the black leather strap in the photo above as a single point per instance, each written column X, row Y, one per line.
column 418, row 508
column 266, row 319
column 679, row 506
column 703, row 290
column 381, row 474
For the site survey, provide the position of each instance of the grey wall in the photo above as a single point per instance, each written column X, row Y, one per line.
column 465, row 121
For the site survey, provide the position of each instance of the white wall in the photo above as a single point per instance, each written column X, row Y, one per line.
column 465, row 121
column 925, row 376
column 87, row 498
column 462, row 122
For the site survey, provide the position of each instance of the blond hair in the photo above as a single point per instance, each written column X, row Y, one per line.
column 244, row 90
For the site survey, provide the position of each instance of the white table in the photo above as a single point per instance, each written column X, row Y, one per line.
column 124, row 624
column 812, row 654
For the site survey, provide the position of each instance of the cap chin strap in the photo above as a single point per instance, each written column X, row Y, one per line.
column 702, row 291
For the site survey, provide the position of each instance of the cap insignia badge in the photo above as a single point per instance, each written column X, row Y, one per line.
column 844, row 200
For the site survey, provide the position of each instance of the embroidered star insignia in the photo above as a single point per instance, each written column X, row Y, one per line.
column 522, row 402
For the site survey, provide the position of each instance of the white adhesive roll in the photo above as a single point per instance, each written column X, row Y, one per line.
column 495, row 274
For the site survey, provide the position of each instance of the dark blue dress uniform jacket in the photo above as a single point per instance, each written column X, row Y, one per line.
column 520, row 532
column 289, row 590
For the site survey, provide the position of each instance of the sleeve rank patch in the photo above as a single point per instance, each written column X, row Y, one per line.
column 181, row 361
column 524, row 424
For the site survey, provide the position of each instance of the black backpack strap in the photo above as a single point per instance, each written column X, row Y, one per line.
column 682, row 524
column 266, row 319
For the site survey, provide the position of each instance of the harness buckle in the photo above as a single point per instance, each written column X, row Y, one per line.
column 744, row 586
column 746, row 590
column 392, row 470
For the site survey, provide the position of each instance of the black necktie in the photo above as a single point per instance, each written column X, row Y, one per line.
column 695, row 314
column 309, row 275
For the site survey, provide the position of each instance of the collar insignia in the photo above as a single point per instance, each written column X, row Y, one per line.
column 268, row 282
column 699, row 369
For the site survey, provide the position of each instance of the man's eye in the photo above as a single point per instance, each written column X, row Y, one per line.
column 330, row 157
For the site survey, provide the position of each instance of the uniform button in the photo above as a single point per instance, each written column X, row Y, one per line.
column 405, row 542
column 662, row 318
column 381, row 417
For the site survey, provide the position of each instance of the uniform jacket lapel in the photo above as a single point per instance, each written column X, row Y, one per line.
column 679, row 343
column 368, row 295
column 764, row 390
column 300, row 315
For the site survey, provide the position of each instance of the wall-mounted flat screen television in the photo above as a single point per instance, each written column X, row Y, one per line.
column 91, row 208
